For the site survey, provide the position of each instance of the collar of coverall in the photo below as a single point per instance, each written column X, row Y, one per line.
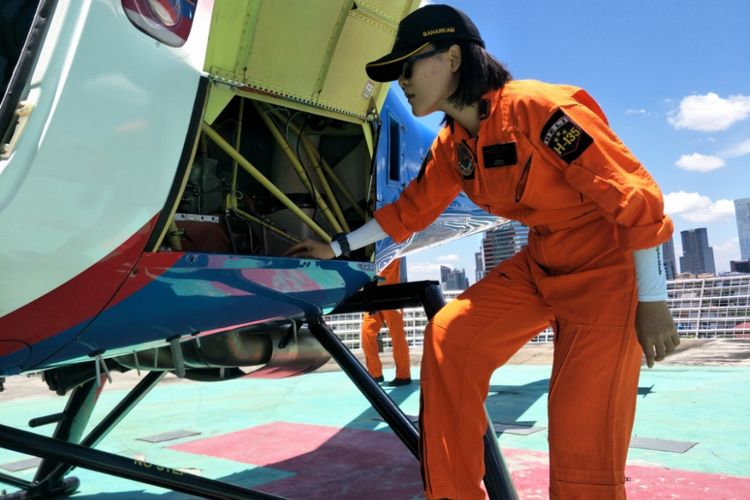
column 487, row 106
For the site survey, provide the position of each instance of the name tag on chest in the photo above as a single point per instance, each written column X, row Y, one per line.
column 500, row 155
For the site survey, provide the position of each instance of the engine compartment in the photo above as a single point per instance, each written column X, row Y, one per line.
column 266, row 176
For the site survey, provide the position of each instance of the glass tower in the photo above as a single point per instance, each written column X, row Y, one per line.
column 697, row 256
column 742, row 212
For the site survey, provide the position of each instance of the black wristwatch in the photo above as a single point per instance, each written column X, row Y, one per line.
column 343, row 242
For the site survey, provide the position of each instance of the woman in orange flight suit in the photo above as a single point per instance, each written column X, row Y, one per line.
column 544, row 155
column 372, row 322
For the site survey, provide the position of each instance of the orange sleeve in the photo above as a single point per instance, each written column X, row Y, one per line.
column 424, row 199
column 577, row 139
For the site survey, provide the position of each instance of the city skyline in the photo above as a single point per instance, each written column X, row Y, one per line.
column 653, row 68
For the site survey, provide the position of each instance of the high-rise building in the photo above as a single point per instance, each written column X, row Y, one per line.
column 697, row 256
column 444, row 273
column 479, row 266
column 742, row 212
column 502, row 243
column 670, row 266
column 453, row 279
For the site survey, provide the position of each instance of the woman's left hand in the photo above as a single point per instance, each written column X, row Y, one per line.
column 656, row 331
column 310, row 249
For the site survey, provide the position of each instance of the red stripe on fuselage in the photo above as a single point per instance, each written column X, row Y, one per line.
column 150, row 266
column 77, row 300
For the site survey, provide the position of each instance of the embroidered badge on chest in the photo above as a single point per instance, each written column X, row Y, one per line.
column 563, row 136
column 466, row 164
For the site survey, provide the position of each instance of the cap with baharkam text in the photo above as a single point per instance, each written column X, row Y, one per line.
column 429, row 24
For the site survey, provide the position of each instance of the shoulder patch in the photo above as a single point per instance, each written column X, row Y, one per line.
column 564, row 137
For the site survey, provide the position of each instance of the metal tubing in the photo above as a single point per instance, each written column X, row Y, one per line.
column 111, row 420
column 47, row 419
column 383, row 297
column 258, row 176
column 14, row 481
column 123, row 408
column 109, row 463
column 432, row 299
column 232, row 205
column 379, row 400
column 497, row 480
column 315, row 155
column 344, row 190
column 298, row 168
column 317, row 158
column 77, row 415
column 237, row 143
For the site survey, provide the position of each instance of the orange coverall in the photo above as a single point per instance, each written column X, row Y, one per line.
column 373, row 322
column 545, row 156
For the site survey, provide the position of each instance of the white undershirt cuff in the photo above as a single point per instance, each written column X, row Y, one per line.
column 650, row 275
column 361, row 237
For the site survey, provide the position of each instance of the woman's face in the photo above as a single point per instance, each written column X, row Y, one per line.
column 433, row 79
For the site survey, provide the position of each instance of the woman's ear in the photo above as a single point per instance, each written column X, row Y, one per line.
column 454, row 53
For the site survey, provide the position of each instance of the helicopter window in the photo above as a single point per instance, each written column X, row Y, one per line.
column 394, row 145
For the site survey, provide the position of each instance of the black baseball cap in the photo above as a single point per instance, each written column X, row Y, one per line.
column 431, row 23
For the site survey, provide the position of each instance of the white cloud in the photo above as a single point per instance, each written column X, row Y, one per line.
column 430, row 269
column 709, row 113
column 697, row 162
column 423, row 270
column 695, row 207
column 453, row 257
column 640, row 112
column 741, row 149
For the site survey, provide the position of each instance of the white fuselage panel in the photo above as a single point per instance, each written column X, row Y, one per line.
column 101, row 148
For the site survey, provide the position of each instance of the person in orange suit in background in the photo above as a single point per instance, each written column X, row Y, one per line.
column 372, row 322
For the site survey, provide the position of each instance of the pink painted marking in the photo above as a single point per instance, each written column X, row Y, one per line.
column 229, row 291
column 329, row 462
column 282, row 280
column 350, row 463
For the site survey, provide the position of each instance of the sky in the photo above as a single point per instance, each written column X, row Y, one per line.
column 673, row 77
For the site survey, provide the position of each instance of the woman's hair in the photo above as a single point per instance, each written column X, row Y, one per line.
column 479, row 72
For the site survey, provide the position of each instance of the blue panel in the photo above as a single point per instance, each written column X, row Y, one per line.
column 205, row 292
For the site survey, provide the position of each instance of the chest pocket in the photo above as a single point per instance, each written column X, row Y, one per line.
column 506, row 169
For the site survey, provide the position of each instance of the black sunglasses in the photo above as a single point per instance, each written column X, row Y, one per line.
column 409, row 63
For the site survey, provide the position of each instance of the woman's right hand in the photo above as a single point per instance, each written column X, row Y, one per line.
column 310, row 249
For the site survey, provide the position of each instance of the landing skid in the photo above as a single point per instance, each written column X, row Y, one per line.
column 61, row 453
